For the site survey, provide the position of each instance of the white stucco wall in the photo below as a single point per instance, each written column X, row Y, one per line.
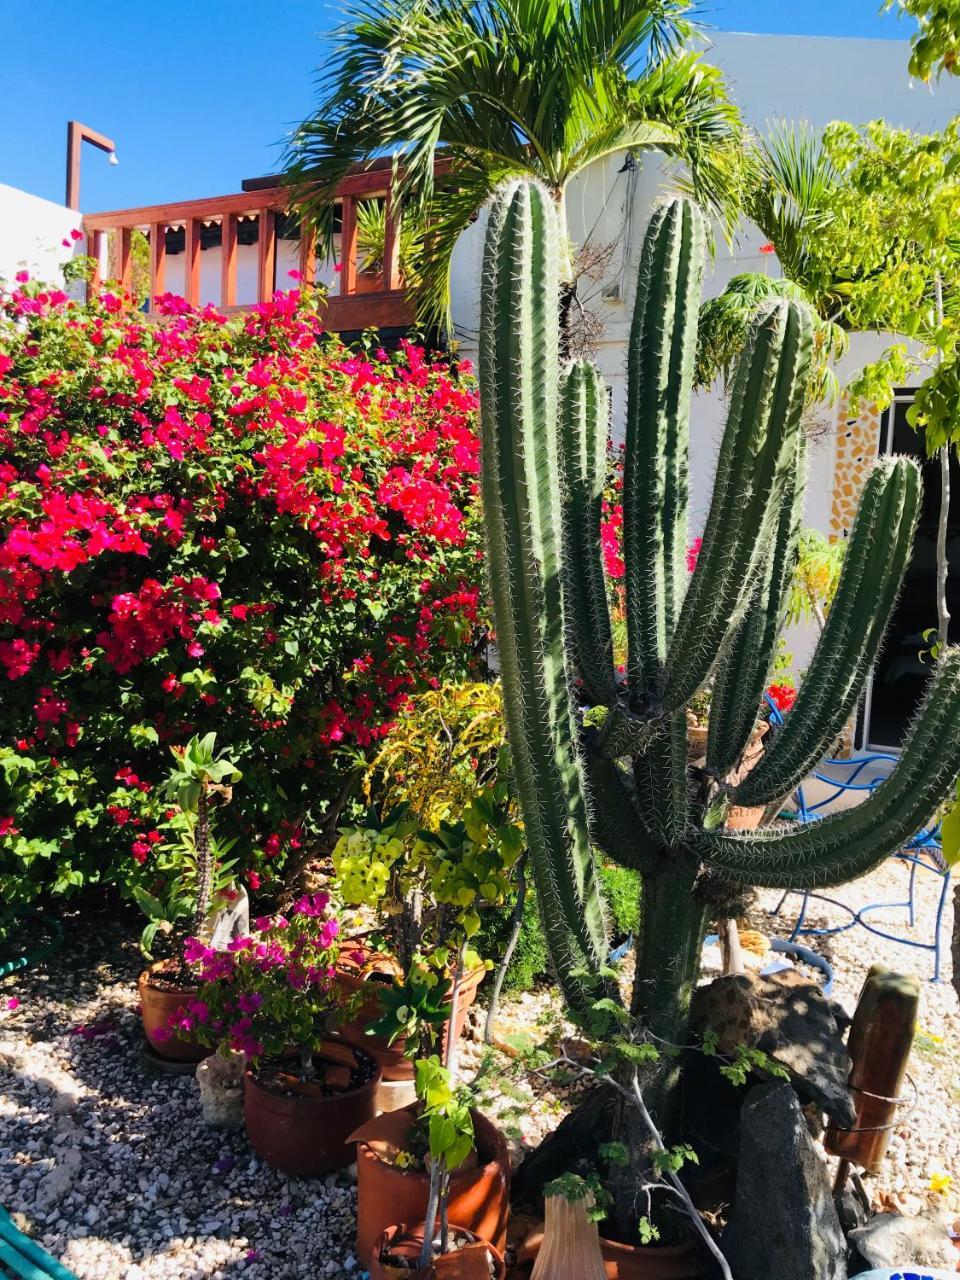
column 31, row 235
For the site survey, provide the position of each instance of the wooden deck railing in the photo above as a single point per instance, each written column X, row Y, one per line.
column 359, row 299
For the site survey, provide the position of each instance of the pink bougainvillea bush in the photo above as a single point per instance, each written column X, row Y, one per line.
column 209, row 524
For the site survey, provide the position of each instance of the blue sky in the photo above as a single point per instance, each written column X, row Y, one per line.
column 198, row 96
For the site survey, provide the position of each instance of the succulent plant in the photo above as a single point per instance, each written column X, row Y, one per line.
column 600, row 760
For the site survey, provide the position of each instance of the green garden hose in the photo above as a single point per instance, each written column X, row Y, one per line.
column 36, row 953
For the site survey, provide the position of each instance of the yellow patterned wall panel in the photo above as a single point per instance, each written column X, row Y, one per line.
column 857, row 447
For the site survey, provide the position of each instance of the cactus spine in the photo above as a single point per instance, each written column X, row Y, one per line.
column 627, row 786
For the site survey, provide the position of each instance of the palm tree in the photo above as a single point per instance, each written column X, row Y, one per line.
column 788, row 185
column 505, row 89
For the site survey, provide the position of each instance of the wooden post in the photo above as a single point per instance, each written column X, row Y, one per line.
column 267, row 254
column 77, row 135
column 308, row 254
column 391, row 245
column 95, row 251
column 191, row 270
column 158, row 261
column 348, row 246
column 228, row 260
column 122, row 257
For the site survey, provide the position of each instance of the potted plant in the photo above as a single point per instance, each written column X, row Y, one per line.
column 194, row 883
column 275, row 996
column 438, row 1155
column 442, row 1140
column 427, row 886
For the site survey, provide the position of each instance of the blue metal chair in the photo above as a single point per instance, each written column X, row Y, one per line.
column 851, row 778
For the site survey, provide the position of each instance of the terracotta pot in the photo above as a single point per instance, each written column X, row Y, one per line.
column 652, row 1261
column 157, row 1008
column 696, row 741
column 627, row 1262
column 298, row 1129
column 479, row 1196
column 741, row 817
column 376, row 971
column 407, row 1242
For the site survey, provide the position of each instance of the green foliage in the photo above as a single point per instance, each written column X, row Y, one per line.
column 745, row 1059
column 191, row 877
column 446, row 1111
column 816, row 576
column 935, row 45
column 531, row 960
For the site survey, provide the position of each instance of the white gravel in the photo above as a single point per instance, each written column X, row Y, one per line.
column 111, row 1168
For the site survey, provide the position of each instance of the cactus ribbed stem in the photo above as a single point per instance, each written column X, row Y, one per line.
column 869, row 584
column 845, row 845
column 583, row 466
column 744, row 669
column 757, row 459
column 519, row 372
column 622, row 778
column 659, row 382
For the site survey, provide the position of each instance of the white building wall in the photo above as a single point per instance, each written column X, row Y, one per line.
column 31, row 235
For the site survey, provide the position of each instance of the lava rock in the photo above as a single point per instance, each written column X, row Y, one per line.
column 783, row 1223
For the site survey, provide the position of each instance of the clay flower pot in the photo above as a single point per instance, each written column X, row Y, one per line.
column 627, row 1262
column 403, row 1245
column 652, row 1261
column 158, row 1006
column 743, row 817
column 479, row 1195
column 369, row 976
column 305, row 1128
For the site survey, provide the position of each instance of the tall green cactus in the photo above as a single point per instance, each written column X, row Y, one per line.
column 618, row 779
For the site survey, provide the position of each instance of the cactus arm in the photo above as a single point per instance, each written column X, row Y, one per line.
column 583, row 461
column 754, row 467
column 518, row 377
column 660, row 365
column 848, row 844
column 744, row 669
column 861, row 608
column 613, row 816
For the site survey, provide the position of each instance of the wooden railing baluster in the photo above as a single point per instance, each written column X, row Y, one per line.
column 267, row 254
column 191, row 270
column 228, row 260
column 348, row 246
column 158, row 261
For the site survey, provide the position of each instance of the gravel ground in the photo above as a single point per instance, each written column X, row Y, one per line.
column 113, row 1170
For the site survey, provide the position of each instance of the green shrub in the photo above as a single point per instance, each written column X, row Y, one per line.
column 530, row 964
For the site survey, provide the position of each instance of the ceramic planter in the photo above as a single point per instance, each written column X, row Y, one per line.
column 405, row 1243
column 306, row 1128
column 369, row 977
column 158, row 1007
column 479, row 1195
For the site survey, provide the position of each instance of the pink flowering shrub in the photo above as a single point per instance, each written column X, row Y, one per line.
column 270, row 991
column 217, row 525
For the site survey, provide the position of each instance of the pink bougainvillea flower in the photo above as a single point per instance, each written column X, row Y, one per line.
column 12, row 1003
